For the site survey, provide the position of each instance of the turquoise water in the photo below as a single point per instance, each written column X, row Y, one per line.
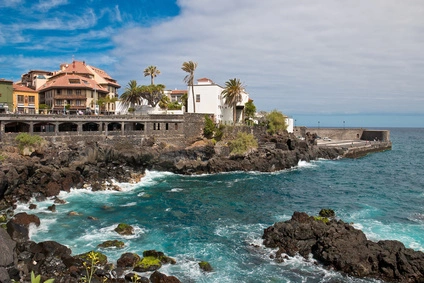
column 220, row 218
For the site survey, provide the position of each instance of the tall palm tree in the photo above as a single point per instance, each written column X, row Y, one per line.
column 151, row 71
column 232, row 94
column 131, row 96
column 190, row 67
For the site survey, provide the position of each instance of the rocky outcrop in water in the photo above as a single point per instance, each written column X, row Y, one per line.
column 340, row 246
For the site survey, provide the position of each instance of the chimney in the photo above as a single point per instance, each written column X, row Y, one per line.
column 73, row 64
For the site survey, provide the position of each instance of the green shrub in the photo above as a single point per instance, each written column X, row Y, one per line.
column 327, row 212
column 37, row 279
column 2, row 157
column 322, row 219
column 276, row 122
column 242, row 143
column 27, row 140
column 209, row 128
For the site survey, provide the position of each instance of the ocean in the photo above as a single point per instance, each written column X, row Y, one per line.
column 220, row 218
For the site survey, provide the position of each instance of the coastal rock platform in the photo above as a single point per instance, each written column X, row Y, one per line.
column 338, row 245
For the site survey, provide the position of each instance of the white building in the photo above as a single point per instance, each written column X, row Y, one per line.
column 209, row 100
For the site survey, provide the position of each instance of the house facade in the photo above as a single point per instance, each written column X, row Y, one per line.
column 25, row 99
column 78, row 87
column 209, row 100
column 6, row 96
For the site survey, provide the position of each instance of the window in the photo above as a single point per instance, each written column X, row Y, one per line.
column 74, row 81
column 78, row 92
column 92, row 94
column 197, row 97
column 20, row 99
column 69, row 91
column 166, row 127
column 31, row 99
column 58, row 91
column 78, row 103
column 176, row 126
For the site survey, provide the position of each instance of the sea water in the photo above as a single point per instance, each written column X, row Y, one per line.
column 220, row 218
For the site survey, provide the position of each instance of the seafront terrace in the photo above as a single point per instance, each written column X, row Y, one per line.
column 54, row 125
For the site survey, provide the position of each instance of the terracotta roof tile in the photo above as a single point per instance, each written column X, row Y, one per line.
column 72, row 81
column 19, row 87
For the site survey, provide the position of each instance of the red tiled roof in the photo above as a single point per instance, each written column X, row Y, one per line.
column 76, row 67
column 204, row 80
column 178, row 91
column 19, row 87
column 64, row 81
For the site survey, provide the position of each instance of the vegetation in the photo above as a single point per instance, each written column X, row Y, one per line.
column 152, row 93
column 165, row 103
column 103, row 101
column 2, row 157
column 249, row 112
column 205, row 266
column 327, row 212
column 190, row 67
column 243, row 143
column 149, row 263
column 151, row 71
column 112, row 244
column 131, row 96
column 124, row 229
column 91, row 260
column 27, row 140
column 211, row 130
column 37, row 279
column 325, row 220
column 232, row 94
column 276, row 122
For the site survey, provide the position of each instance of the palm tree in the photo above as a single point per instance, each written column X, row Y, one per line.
column 232, row 94
column 151, row 71
column 131, row 96
column 190, row 67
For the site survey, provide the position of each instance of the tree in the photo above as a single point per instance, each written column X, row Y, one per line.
column 276, row 122
column 232, row 94
column 152, row 93
column 184, row 101
column 151, row 71
column 131, row 96
column 190, row 67
column 103, row 101
column 249, row 110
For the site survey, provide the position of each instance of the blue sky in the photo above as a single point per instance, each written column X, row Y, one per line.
column 358, row 61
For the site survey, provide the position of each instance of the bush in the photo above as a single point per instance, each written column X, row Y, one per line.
column 209, row 128
column 27, row 140
column 243, row 143
column 276, row 122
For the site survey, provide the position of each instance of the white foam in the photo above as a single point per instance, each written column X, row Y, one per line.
column 129, row 204
column 176, row 190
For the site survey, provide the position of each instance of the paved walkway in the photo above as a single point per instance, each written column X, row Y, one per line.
column 345, row 143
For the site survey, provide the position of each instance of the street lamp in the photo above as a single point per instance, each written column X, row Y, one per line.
column 318, row 124
column 343, row 125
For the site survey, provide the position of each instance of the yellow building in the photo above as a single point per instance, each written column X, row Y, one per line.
column 25, row 100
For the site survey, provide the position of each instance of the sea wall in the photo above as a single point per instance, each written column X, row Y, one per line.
column 346, row 134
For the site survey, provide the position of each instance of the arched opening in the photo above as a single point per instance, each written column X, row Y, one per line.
column 90, row 127
column 68, row 127
column 114, row 127
column 16, row 127
column 43, row 127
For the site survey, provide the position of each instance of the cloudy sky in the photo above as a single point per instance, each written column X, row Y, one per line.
column 358, row 61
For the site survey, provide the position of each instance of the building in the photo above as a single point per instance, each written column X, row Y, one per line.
column 209, row 100
column 6, row 96
column 25, row 99
column 35, row 78
column 80, row 88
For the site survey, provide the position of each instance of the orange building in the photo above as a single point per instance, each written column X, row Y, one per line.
column 25, row 100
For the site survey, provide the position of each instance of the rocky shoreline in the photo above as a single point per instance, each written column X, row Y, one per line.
column 339, row 246
column 56, row 167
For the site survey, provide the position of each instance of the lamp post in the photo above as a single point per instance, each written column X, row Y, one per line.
column 318, row 124
column 343, row 125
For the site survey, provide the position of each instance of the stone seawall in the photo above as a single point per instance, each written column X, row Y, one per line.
column 360, row 151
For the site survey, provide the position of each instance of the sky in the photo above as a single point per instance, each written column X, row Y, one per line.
column 352, row 63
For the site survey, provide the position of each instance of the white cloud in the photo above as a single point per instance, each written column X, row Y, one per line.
column 46, row 5
column 299, row 57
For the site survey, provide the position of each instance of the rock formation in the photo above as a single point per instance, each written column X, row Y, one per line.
column 339, row 245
